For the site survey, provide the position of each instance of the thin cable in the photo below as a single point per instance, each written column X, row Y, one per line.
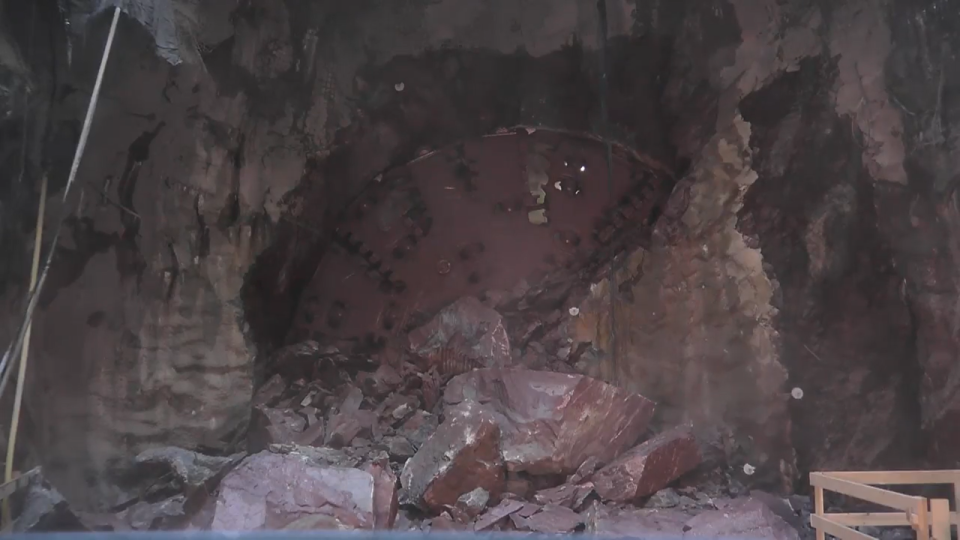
column 604, row 126
column 24, row 354
column 14, row 348
column 91, row 109
column 23, row 337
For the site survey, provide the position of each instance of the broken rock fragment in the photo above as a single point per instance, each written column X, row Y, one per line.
column 552, row 423
column 274, row 426
column 419, row 427
column 461, row 456
column 553, row 519
column 567, row 495
column 385, row 501
column 497, row 513
column 477, row 330
column 380, row 382
column 275, row 491
column 649, row 467
column 471, row 504
column 348, row 425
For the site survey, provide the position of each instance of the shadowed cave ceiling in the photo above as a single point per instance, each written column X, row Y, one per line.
column 781, row 217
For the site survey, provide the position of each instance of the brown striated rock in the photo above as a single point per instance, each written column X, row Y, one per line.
column 478, row 331
column 274, row 491
column 462, row 455
column 385, row 501
column 649, row 467
column 274, row 426
column 552, row 423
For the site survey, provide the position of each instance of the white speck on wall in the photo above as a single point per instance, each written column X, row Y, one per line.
column 583, row 168
column 398, row 87
column 749, row 469
column 797, row 393
column 574, row 311
column 559, row 186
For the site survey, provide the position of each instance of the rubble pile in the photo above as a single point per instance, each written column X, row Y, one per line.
column 448, row 435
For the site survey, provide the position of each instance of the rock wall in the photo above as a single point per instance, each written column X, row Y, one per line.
column 812, row 242
column 144, row 333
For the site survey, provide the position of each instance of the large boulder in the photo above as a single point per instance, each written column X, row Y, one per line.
column 552, row 422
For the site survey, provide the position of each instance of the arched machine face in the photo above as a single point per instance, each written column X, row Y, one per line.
column 491, row 214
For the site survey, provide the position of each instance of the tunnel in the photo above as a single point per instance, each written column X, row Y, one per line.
column 554, row 266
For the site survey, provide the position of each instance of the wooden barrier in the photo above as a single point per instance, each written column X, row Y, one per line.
column 929, row 518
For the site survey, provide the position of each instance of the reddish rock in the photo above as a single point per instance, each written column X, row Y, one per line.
column 552, row 423
column 397, row 407
column 568, row 495
column 553, row 520
column 313, row 435
column 379, row 383
column 419, row 427
column 649, row 467
column 348, row 425
column 274, row 426
column 274, row 491
column 478, row 331
column 462, row 455
column 497, row 513
column 385, row 501
column 270, row 393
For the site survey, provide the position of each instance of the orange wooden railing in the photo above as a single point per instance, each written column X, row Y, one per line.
column 929, row 518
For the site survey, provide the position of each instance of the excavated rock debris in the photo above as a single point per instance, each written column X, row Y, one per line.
column 463, row 455
column 553, row 422
column 290, row 491
column 476, row 332
column 647, row 468
column 414, row 445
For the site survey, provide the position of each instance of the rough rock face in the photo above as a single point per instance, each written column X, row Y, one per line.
column 279, row 491
column 463, row 455
column 171, row 228
column 645, row 469
column 552, row 422
column 791, row 254
column 469, row 326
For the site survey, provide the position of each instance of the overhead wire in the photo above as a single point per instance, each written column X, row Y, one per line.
column 36, row 284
